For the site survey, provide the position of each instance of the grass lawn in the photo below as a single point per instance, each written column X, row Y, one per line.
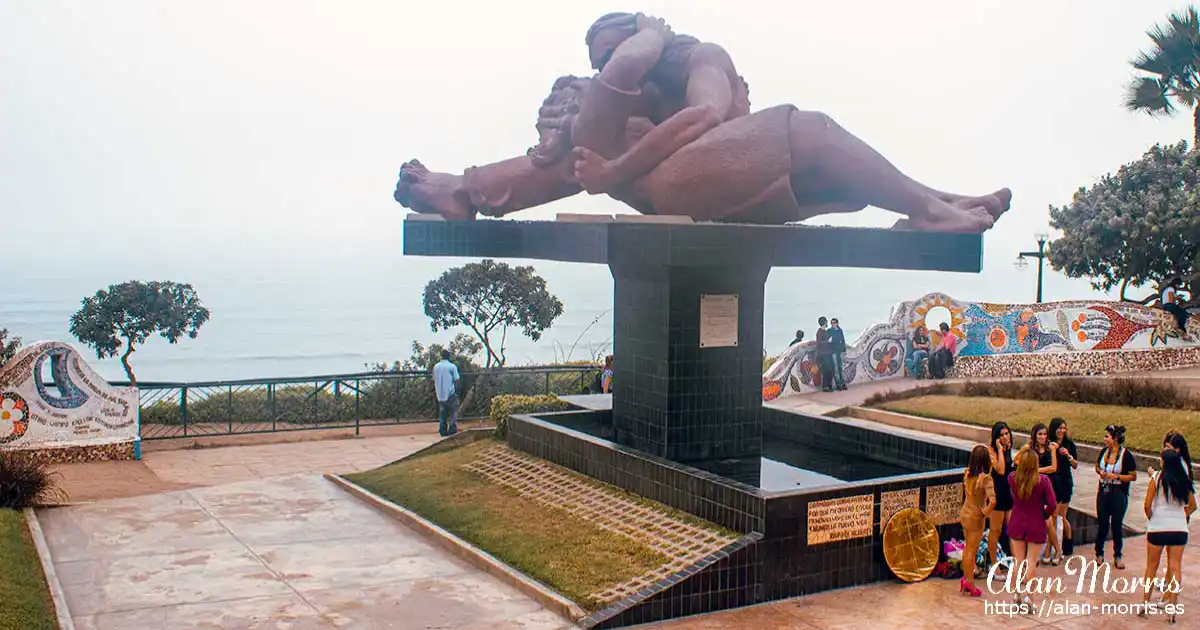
column 1144, row 426
column 25, row 603
column 569, row 554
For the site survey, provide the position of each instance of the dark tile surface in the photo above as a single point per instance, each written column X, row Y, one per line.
column 703, row 494
column 703, row 244
column 782, row 563
column 540, row 240
column 673, row 398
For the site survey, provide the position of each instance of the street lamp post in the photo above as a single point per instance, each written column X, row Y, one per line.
column 1040, row 255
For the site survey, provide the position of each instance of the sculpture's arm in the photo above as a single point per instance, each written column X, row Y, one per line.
column 514, row 184
column 709, row 98
column 633, row 59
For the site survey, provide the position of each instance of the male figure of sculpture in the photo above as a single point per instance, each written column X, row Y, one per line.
column 665, row 127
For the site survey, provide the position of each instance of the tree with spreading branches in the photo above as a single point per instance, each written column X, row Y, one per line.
column 488, row 298
column 126, row 314
column 1137, row 226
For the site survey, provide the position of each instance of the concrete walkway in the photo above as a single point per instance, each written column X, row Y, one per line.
column 293, row 553
column 231, row 464
column 183, row 468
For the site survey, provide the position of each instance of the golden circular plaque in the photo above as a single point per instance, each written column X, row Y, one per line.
column 911, row 545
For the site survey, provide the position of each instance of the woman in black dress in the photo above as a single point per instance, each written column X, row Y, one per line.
column 1000, row 452
column 1064, row 481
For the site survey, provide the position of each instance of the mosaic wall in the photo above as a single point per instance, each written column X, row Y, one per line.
column 1006, row 340
column 75, row 413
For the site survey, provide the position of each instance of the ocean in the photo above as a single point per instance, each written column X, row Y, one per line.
column 276, row 316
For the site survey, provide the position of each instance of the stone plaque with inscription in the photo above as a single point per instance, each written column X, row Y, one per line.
column 840, row 519
column 896, row 500
column 944, row 503
column 718, row 321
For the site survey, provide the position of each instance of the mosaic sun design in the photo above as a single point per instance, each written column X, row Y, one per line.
column 958, row 319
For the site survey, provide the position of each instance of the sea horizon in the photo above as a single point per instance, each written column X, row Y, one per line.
column 275, row 318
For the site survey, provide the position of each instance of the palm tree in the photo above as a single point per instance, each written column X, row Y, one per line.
column 1173, row 66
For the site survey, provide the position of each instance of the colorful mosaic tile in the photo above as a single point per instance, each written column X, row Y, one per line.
column 78, row 454
column 1056, row 338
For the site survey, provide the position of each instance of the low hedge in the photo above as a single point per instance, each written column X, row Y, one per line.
column 506, row 405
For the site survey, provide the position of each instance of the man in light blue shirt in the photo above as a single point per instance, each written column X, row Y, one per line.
column 445, row 384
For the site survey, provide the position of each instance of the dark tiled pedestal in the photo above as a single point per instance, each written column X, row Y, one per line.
column 674, row 398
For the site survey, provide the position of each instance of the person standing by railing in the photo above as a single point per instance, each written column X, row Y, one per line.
column 445, row 385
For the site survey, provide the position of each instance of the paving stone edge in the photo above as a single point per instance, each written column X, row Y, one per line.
column 61, row 611
column 543, row 594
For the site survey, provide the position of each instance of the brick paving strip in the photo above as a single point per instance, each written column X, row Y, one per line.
column 608, row 508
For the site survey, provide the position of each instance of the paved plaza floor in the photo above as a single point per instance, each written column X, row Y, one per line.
column 250, row 536
column 935, row 603
column 168, row 469
column 293, row 552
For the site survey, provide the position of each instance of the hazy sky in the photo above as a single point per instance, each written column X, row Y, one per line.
column 224, row 131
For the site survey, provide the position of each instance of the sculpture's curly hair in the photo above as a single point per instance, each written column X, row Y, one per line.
column 627, row 21
column 555, row 119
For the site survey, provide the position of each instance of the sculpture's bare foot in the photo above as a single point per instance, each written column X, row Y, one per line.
column 430, row 192
column 943, row 217
column 996, row 203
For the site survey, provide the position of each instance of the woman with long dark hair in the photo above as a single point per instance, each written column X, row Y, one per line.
column 606, row 375
column 1033, row 499
column 978, row 503
column 1117, row 469
column 1000, row 453
column 1047, row 454
column 1064, row 483
column 1170, row 502
column 1175, row 440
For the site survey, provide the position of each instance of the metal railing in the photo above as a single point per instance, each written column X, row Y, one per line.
column 177, row 410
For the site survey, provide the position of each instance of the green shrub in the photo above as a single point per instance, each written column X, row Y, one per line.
column 506, row 405
column 1121, row 392
column 26, row 481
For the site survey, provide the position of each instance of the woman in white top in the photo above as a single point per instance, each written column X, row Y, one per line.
column 1170, row 501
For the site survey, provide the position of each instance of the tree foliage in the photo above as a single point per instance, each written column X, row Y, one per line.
column 489, row 298
column 1139, row 225
column 463, row 349
column 1172, row 70
column 126, row 314
column 8, row 346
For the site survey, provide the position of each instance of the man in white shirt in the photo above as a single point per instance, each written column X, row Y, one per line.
column 445, row 385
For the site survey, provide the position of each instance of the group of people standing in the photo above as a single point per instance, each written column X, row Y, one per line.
column 1020, row 499
column 831, row 354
